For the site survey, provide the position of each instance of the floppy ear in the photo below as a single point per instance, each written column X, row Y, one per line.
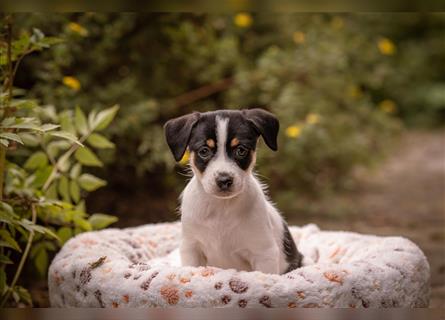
column 177, row 133
column 266, row 124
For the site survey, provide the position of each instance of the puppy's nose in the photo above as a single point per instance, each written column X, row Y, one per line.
column 224, row 181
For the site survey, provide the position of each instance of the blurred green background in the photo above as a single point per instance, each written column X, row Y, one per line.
column 360, row 99
column 342, row 85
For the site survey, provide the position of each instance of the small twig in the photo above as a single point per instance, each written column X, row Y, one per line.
column 203, row 92
column 22, row 260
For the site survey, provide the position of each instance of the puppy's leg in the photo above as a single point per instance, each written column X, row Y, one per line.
column 267, row 261
column 191, row 254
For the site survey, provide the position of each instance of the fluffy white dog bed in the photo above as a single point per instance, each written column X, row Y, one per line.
column 139, row 267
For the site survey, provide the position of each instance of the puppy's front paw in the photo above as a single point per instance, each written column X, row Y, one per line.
column 191, row 255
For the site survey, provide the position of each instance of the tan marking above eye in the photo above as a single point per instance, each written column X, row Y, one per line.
column 210, row 143
column 234, row 142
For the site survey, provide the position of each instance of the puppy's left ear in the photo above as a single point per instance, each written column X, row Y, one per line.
column 266, row 124
column 178, row 131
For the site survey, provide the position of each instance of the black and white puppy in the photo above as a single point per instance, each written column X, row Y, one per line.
column 227, row 220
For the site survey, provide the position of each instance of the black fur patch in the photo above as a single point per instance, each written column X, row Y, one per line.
column 178, row 131
column 238, row 127
column 204, row 129
column 293, row 256
column 193, row 130
column 241, row 129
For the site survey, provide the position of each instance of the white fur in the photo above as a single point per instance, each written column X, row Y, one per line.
column 242, row 230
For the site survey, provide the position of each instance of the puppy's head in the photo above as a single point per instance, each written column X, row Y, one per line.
column 222, row 145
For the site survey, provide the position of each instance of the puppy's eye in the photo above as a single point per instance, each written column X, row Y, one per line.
column 205, row 152
column 241, row 152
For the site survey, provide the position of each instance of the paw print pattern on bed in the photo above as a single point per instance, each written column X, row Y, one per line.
column 139, row 267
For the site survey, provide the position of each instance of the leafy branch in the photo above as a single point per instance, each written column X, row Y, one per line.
column 41, row 204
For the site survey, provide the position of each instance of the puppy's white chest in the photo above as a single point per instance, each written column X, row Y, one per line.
column 235, row 233
column 223, row 245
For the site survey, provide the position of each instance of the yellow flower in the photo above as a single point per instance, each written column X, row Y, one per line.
column 388, row 106
column 185, row 158
column 293, row 131
column 337, row 23
column 77, row 28
column 72, row 83
column 386, row 46
column 243, row 20
column 299, row 37
column 313, row 118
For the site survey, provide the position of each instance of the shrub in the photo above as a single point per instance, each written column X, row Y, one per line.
column 42, row 184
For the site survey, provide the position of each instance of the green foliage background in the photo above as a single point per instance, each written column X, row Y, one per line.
column 342, row 86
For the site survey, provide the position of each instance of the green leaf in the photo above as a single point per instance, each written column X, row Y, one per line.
column 48, row 127
column 74, row 191
column 81, row 206
column 11, row 136
column 64, row 189
column 75, row 171
column 80, row 121
column 24, row 295
column 8, row 208
column 64, row 164
column 8, row 121
column 100, row 220
column 64, row 234
column 37, row 160
column 50, row 245
column 66, row 135
column 41, row 262
column 36, row 248
column 48, row 232
column 23, row 123
column 66, row 123
column 104, row 118
column 28, row 225
column 7, row 238
column 6, row 218
column 41, row 175
column 2, row 282
column 55, row 147
column 51, row 193
column 99, row 141
column 5, row 259
column 86, row 157
column 92, row 118
column 29, row 139
column 89, row 182
column 82, row 223
column 4, row 142
column 23, row 103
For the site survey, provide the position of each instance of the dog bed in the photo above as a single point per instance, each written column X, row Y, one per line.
column 139, row 267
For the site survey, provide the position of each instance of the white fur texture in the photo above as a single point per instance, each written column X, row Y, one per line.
column 138, row 267
column 243, row 231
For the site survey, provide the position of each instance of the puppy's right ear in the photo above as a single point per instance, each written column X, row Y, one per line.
column 177, row 133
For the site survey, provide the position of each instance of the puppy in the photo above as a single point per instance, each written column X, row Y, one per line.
column 227, row 220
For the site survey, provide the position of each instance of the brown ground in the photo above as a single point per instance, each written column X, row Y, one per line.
column 404, row 196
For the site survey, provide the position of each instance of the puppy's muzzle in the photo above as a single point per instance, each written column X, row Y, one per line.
column 224, row 181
